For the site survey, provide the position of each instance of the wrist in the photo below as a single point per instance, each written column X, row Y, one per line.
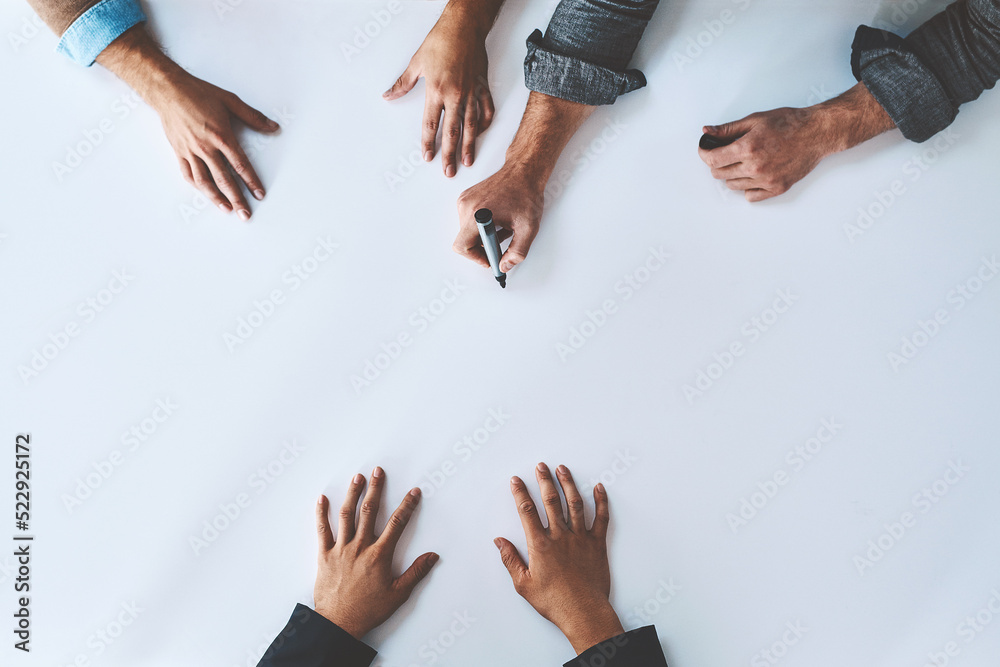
column 342, row 621
column 592, row 626
column 475, row 18
column 136, row 59
column 851, row 118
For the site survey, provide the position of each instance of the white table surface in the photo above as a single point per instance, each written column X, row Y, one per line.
column 674, row 468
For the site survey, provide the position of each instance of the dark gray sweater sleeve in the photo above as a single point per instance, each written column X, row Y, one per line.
column 922, row 80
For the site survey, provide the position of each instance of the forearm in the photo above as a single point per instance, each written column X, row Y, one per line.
column 592, row 627
column 60, row 14
column 850, row 119
column 138, row 61
column 477, row 15
column 546, row 128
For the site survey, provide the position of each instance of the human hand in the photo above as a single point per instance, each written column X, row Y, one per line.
column 452, row 60
column 775, row 149
column 198, row 121
column 516, row 198
column 355, row 587
column 567, row 578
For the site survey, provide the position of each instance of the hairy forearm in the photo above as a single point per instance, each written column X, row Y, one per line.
column 546, row 127
column 478, row 15
column 852, row 118
column 138, row 61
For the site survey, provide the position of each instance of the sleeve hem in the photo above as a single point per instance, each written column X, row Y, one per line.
column 573, row 79
column 901, row 83
column 97, row 27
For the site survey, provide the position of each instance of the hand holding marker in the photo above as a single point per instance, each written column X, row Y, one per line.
column 488, row 233
column 709, row 142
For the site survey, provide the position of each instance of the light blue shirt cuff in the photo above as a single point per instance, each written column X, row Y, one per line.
column 97, row 27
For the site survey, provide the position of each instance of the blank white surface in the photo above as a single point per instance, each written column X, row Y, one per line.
column 620, row 396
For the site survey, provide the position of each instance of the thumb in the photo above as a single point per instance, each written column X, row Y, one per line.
column 517, row 251
column 253, row 118
column 404, row 84
column 420, row 568
column 736, row 128
column 511, row 559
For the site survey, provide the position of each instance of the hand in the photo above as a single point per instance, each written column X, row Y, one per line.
column 355, row 587
column 452, row 60
column 516, row 199
column 776, row 149
column 197, row 118
column 566, row 579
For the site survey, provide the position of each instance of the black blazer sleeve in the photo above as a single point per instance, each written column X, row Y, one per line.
column 311, row 640
column 635, row 648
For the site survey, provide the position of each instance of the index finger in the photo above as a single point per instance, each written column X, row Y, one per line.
column 526, row 509
column 724, row 156
column 469, row 245
column 241, row 164
column 397, row 522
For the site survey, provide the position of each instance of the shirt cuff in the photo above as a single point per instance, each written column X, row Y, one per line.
column 97, row 27
column 901, row 83
column 573, row 79
column 639, row 647
column 311, row 639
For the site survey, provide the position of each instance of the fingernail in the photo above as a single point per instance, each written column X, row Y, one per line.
column 377, row 472
column 319, row 501
column 450, row 171
column 563, row 470
column 504, row 267
column 428, row 156
column 243, row 214
column 600, row 488
column 225, row 207
column 496, row 542
column 415, row 492
column 433, row 558
column 272, row 123
column 513, row 481
column 467, row 160
column 542, row 467
column 258, row 194
column 358, row 478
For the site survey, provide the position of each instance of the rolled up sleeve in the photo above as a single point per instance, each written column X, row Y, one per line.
column 585, row 51
column 922, row 80
column 96, row 28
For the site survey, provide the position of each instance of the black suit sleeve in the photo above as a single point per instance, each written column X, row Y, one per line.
column 635, row 648
column 311, row 640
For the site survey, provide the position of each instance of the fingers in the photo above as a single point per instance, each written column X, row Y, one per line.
column 469, row 245
column 550, row 498
column 251, row 117
column 227, row 185
column 486, row 108
column 345, row 525
column 323, row 530
column 574, row 501
column 420, row 568
column 758, row 194
column 602, row 515
column 740, row 183
column 240, row 163
column 399, row 519
column 526, row 509
column 203, row 180
column 726, row 155
column 469, row 133
column 451, row 134
column 403, row 85
column 738, row 170
column 512, row 561
column 517, row 251
column 370, row 505
column 432, row 120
